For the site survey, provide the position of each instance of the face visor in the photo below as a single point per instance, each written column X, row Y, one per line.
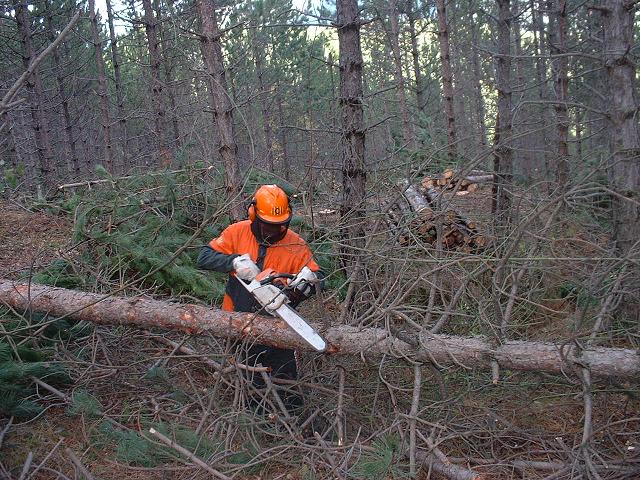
column 268, row 233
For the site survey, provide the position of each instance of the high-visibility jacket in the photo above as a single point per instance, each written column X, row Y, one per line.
column 289, row 255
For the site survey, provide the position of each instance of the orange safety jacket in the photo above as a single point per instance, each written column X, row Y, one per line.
column 289, row 255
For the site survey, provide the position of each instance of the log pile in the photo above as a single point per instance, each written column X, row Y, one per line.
column 449, row 180
column 420, row 221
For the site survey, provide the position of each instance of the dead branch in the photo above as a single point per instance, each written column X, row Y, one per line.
column 188, row 454
column 6, row 102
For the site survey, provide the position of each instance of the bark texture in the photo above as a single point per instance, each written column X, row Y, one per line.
column 370, row 342
column 353, row 137
column 503, row 160
column 560, row 66
column 624, row 167
column 102, row 88
column 624, row 171
column 151, row 28
column 415, row 55
column 258, row 45
column 35, row 95
column 117, row 75
column 71, row 156
column 447, row 78
column 221, row 104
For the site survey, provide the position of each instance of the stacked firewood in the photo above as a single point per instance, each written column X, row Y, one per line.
column 423, row 219
column 449, row 179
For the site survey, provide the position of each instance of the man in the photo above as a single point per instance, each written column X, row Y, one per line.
column 246, row 248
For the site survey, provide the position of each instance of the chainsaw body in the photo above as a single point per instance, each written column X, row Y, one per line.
column 275, row 302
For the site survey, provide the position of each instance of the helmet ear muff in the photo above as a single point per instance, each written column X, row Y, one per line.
column 251, row 210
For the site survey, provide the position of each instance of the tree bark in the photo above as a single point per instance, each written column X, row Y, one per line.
column 541, row 68
column 151, row 28
column 415, row 54
column 258, row 54
column 477, row 82
column 624, row 167
column 168, row 66
column 560, row 67
column 35, row 96
column 102, row 88
column 447, row 78
column 503, row 160
column 286, row 163
column 354, row 174
column 221, row 105
column 122, row 118
column 475, row 352
column 71, row 156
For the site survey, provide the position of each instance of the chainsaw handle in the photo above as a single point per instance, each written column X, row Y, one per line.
column 275, row 276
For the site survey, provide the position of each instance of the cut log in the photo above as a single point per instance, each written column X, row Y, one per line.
column 560, row 358
column 417, row 201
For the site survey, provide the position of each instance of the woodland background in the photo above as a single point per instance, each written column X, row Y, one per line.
column 145, row 129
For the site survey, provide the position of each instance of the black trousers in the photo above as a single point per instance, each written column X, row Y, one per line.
column 283, row 365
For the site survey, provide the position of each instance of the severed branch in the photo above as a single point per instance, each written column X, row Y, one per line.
column 78, row 463
column 413, row 413
column 179, row 448
column 7, row 100
column 5, row 430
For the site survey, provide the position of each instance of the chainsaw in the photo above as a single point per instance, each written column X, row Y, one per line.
column 275, row 302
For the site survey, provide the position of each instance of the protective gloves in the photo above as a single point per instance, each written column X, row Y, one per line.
column 245, row 268
column 270, row 296
column 304, row 281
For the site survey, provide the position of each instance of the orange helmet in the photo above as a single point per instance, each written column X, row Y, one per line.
column 270, row 204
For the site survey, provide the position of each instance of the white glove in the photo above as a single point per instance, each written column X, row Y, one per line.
column 245, row 268
column 270, row 297
column 304, row 281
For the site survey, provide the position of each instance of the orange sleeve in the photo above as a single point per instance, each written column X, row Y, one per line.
column 226, row 242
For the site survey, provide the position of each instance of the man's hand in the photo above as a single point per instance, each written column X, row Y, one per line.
column 245, row 268
column 303, row 282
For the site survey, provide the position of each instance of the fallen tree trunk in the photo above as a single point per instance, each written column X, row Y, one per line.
column 370, row 342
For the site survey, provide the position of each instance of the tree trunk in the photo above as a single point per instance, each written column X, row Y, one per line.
column 503, row 160
column 167, row 65
column 71, row 156
column 354, row 174
column 221, row 105
column 258, row 55
column 560, row 67
column 521, row 155
column 415, row 54
column 102, row 88
column 477, row 81
column 475, row 352
column 624, row 167
column 36, row 98
column 394, row 41
column 286, row 163
column 447, row 78
column 122, row 118
column 151, row 27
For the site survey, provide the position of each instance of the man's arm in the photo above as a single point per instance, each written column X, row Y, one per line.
column 210, row 259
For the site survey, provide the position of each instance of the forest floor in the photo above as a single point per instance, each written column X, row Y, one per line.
column 29, row 240
column 115, row 365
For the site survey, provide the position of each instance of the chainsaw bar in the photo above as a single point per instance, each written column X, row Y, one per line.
column 291, row 318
